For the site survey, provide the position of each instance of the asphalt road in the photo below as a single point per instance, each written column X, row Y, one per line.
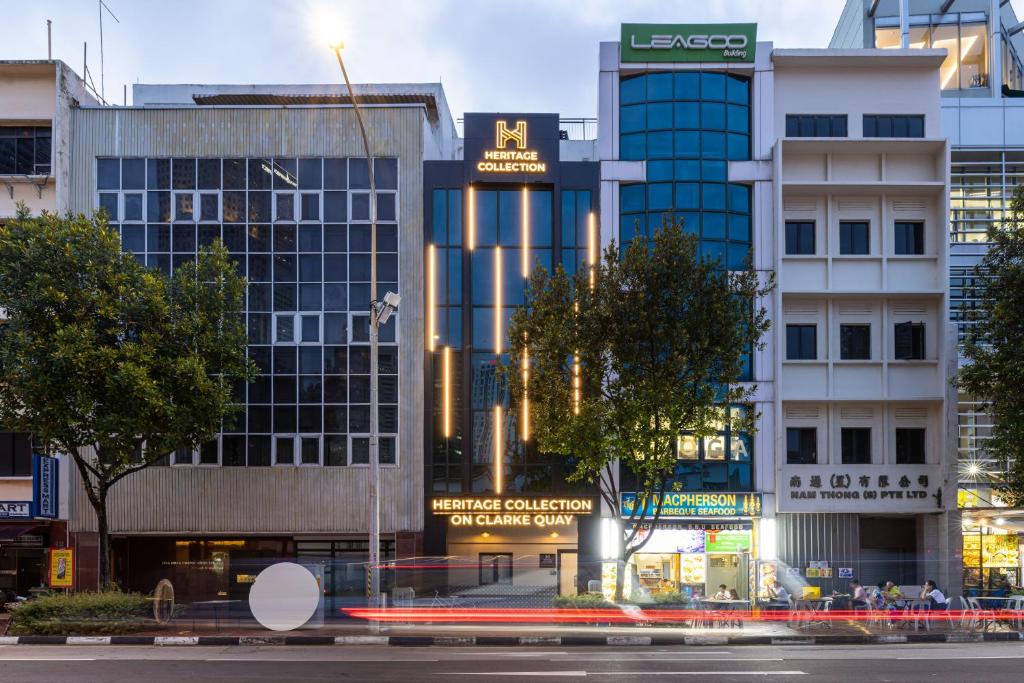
column 987, row 662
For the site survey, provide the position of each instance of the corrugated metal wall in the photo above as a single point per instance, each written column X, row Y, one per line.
column 810, row 537
column 271, row 500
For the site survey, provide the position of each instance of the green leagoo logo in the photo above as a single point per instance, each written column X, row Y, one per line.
column 688, row 42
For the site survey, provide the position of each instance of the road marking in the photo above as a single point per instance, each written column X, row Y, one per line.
column 47, row 659
column 968, row 657
column 613, row 658
column 584, row 674
column 566, row 674
column 542, row 653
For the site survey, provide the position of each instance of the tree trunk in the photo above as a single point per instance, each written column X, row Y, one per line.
column 104, row 547
column 620, row 574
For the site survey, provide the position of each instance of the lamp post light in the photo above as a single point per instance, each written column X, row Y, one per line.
column 380, row 311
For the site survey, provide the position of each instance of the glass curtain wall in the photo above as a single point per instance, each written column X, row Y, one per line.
column 298, row 229
column 485, row 243
column 962, row 35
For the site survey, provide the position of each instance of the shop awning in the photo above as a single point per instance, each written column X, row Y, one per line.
column 9, row 532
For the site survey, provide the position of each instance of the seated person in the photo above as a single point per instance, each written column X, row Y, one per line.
column 733, row 595
column 931, row 592
column 859, row 596
column 892, row 592
column 777, row 594
column 722, row 594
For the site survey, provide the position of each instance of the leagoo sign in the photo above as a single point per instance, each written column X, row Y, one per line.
column 688, row 42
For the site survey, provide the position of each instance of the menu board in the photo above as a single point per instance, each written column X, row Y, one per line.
column 692, row 569
column 991, row 550
column 728, row 541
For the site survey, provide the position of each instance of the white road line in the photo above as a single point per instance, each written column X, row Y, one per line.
column 47, row 659
column 953, row 659
column 669, row 659
column 566, row 674
column 541, row 653
column 584, row 674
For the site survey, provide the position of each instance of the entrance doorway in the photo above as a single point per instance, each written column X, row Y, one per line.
column 568, row 569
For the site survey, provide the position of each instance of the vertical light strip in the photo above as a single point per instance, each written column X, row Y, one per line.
column 525, row 208
column 499, row 451
column 431, row 297
column 526, row 398
column 575, row 384
column 446, row 390
column 591, row 245
column 497, row 299
column 471, row 218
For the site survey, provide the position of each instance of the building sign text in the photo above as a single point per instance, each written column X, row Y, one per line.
column 511, row 512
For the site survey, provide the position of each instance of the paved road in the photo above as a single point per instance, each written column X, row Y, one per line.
column 987, row 662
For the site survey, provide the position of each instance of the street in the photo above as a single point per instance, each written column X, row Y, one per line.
column 991, row 662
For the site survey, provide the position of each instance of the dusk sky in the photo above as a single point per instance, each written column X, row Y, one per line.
column 530, row 55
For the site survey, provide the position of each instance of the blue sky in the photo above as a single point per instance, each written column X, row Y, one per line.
column 531, row 55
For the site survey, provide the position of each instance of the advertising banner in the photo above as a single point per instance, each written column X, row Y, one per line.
column 44, row 486
column 678, row 504
column 62, row 574
column 15, row 509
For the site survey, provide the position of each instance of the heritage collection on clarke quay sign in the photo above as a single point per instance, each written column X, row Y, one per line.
column 515, row 512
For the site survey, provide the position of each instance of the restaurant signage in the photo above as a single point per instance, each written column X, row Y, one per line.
column 511, row 511
column 862, row 488
column 15, row 509
column 688, row 42
column 678, row 504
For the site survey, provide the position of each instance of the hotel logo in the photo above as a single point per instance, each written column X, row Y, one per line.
column 505, row 135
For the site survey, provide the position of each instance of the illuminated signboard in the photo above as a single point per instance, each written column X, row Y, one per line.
column 677, row 504
column 511, row 512
column 688, row 42
column 511, row 147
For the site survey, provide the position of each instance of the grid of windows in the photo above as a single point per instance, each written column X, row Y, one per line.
column 981, row 189
column 687, row 124
column 816, row 125
column 477, row 291
column 893, row 126
column 963, row 35
column 965, row 299
column 716, row 463
column 25, row 150
column 298, row 229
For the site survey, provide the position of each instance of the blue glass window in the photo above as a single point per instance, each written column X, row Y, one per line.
column 687, row 115
column 631, row 198
column 659, row 170
column 713, row 197
column 659, row 116
column 659, row 145
column 659, row 196
column 713, row 226
column 712, row 145
column 687, row 85
column 632, row 90
column 687, row 195
column 687, row 170
column 712, row 116
column 687, row 144
column 712, row 86
column 739, row 198
column 632, row 147
column 633, row 118
column 659, row 87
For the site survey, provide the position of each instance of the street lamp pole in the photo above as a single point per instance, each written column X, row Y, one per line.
column 373, row 589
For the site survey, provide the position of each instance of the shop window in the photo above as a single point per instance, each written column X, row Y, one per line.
column 909, row 340
column 25, row 150
column 816, row 125
column 799, row 238
column 495, row 569
column 893, row 126
column 297, row 328
column 910, row 446
column 855, row 342
column 801, row 342
column 856, row 445
column 909, row 237
column 854, row 238
column 801, row 446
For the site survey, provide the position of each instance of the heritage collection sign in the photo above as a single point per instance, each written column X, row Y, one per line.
column 688, row 42
column 511, row 511
column 861, row 488
column 511, row 147
column 678, row 504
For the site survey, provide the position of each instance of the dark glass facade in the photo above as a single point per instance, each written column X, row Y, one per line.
column 298, row 229
column 687, row 126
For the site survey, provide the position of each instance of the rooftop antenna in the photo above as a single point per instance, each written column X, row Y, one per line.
column 49, row 41
column 103, row 85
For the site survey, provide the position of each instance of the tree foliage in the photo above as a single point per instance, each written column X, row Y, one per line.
column 109, row 362
column 615, row 362
column 996, row 350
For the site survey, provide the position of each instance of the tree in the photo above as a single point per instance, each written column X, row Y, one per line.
column 995, row 351
column 613, row 365
column 111, row 363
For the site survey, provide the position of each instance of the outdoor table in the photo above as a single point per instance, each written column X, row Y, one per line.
column 1000, row 604
column 727, row 605
column 804, row 609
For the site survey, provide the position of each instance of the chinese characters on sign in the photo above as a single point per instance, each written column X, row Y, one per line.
column 860, row 488
column 866, row 488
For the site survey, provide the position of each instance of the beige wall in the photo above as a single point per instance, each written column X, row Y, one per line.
column 16, row 489
column 28, row 93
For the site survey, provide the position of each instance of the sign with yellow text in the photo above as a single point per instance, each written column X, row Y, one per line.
column 679, row 504
column 62, row 568
column 511, row 512
column 511, row 147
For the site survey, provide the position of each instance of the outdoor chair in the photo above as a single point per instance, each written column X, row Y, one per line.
column 983, row 617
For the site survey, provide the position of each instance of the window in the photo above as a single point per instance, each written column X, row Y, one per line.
column 816, row 125
column 801, row 446
column 495, row 569
column 296, row 328
column 909, row 237
column 25, row 150
column 893, row 126
column 856, row 445
column 909, row 340
column 854, row 238
column 15, row 454
column 799, row 238
column 855, row 342
column 801, row 342
column 966, row 62
column 910, row 446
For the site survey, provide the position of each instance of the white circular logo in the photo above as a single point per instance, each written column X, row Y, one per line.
column 284, row 596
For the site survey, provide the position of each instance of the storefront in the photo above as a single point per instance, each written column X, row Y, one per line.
column 700, row 542
column 28, row 523
column 516, row 545
column 992, row 540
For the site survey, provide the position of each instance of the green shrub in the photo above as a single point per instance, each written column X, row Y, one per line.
column 671, row 598
column 82, row 614
column 586, row 601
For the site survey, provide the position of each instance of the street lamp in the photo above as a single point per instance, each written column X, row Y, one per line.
column 380, row 311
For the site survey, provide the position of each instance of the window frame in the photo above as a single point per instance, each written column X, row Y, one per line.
column 296, row 438
column 871, row 131
column 494, row 568
column 798, row 237
column 297, row 328
column 833, row 122
column 791, row 353
column 922, row 432
column 917, row 241
column 803, row 432
column 859, row 432
column 917, row 348
column 843, row 355
column 850, row 223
